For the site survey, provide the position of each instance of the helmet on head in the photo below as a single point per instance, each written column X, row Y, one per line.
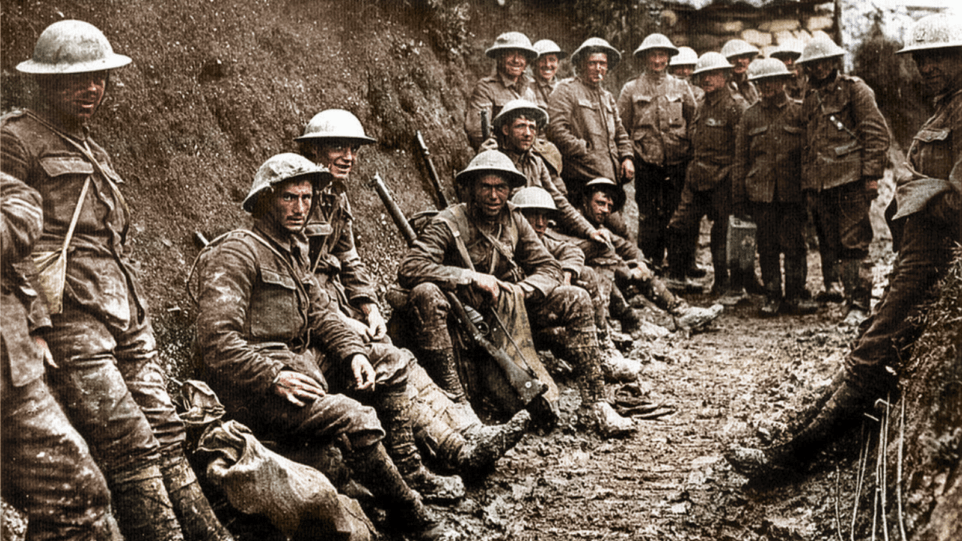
column 491, row 162
column 535, row 198
column 686, row 57
column 596, row 45
column 610, row 187
column 820, row 48
column 767, row 68
column 335, row 124
column 512, row 40
column 281, row 168
column 789, row 49
column 655, row 41
column 514, row 108
column 940, row 31
column 737, row 47
column 711, row 61
column 546, row 46
column 72, row 47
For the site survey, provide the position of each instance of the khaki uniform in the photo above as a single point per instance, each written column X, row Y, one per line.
column 47, row 469
column 491, row 94
column 656, row 109
column 767, row 183
column 542, row 90
column 742, row 86
column 847, row 143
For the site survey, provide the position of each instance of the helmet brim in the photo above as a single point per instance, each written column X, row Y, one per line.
column 319, row 137
column 530, row 53
column 113, row 61
column 467, row 177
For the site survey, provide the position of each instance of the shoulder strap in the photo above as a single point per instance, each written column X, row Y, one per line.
column 458, row 212
column 76, row 215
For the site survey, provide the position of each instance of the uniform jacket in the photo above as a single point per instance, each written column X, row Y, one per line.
column 21, row 310
column 768, row 153
column 585, row 126
column 571, row 258
column 713, row 139
column 333, row 254
column 435, row 257
column 99, row 276
column 542, row 90
column 492, row 94
column 656, row 109
column 258, row 315
column 847, row 138
column 746, row 89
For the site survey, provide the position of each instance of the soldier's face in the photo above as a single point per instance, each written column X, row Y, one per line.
column 938, row 68
column 712, row 81
column 789, row 62
column 682, row 72
column 546, row 66
column 657, row 60
column 769, row 88
column 820, row 69
column 741, row 62
column 599, row 208
column 78, row 95
column 596, row 68
column 291, row 204
column 520, row 134
column 538, row 220
column 512, row 63
column 338, row 156
column 491, row 194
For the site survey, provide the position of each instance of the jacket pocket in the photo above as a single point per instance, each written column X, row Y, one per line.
column 274, row 313
column 931, row 152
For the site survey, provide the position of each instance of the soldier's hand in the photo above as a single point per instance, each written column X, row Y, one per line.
column 488, row 284
column 871, row 187
column 297, row 388
column 376, row 326
column 47, row 356
column 357, row 326
column 567, row 278
column 363, row 373
column 600, row 235
column 641, row 273
column 627, row 170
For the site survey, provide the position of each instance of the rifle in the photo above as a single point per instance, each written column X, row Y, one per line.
column 432, row 172
column 485, row 125
column 524, row 382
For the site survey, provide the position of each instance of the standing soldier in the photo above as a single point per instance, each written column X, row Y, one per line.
column 767, row 185
column 788, row 53
column 656, row 109
column 847, row 151
column 681, row 66
column 513, row 52
column 545, row 68
column 708, row 179
column 585, row 125
column 108, row 378
column 47, row 469
column 740, row 54
column 926, row 225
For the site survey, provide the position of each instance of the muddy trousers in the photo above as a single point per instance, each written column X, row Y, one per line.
column 598, row 282
column 657, row 192
column 714, row 203
column 47, row 469
column 844, row 233
column 780, row 232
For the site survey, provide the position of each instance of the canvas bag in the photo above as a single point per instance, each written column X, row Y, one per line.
column 52, row 265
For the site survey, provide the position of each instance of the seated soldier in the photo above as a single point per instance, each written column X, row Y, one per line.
column 488, row 234
column 273, row 346
column 624, row 263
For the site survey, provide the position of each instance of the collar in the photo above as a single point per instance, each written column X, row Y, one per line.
column 77, row 130
column 779, row 101
column 654, row 76
column 284, row 239
column 507, row 83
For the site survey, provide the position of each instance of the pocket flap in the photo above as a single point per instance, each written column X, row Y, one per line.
column 794, row 130
column 586, row 104
column 643, row 98
column 930, row 135
column 715, row 122
column 851, row 146
column 275, row 278
column 758, row 131
column 56, row 166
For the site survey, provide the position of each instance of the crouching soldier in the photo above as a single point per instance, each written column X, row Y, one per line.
column 274, row 346
column 483, row 250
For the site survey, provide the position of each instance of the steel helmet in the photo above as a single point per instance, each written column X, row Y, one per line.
column 940, row 31
column 546, row 46
column 515, row 107
column 491, row 161
column 711, row 61
column 283, row 167
column 737, row 47
column 596, row 45
column 821, row 47
column 686, row 57
column 789, row 49
column 656, row 41
column 767, row 68
column 72, row 47
column 611, row 188
column 335, row 124
column 512, row 40
column 534, row 197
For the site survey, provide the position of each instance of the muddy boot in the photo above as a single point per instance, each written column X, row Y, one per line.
column 797, row 301
column 845, row 406
column 142, row 506
column 373, row 467
column 623, row 312
column 393, row 409
column 833, row 287
column 443, row 369
column 484, row 445
column 594, row 412
column 197, row 519
column 693, row 318
column 615, row 366
column 773, row 298
column 858, row 290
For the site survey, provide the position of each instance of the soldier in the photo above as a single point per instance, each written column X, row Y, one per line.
column 108, row 378
column 681, row 66
column 513, row 52
column 510, row 261
column 847, row 144
column 926, row 224
column 545, row 68
column 708, row 179
column 274, row 347
column 656, row 109
column 767, row 185
column 585, row 125
column 47, row 469
column 740, row 54
column 788, row 53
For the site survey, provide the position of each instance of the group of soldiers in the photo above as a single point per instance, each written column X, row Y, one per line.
column 289, row 327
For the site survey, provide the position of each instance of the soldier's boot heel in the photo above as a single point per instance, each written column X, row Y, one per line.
column 197, row 518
